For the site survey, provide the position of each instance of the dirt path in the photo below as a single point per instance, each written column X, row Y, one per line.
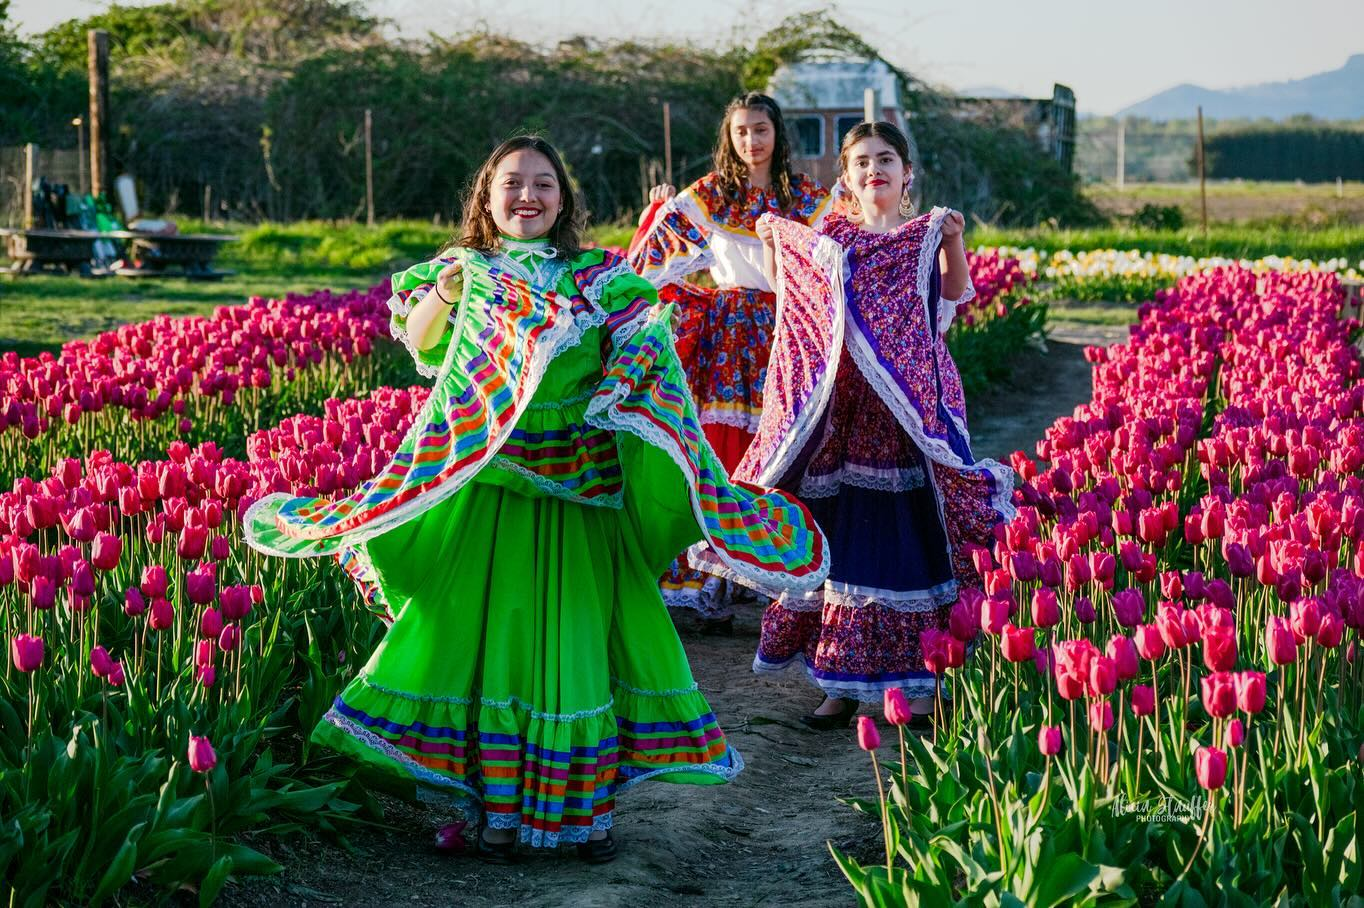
column 760, row 841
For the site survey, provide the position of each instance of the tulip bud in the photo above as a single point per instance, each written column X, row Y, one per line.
column 1219, row 648
column 1101, row 715
column 26, row 652
column 115, row 678
column 1049, row 740
column 154, row 581
column 1123, row 652
column 1129, row 607
column 1250, row 691
column 1210, row 765
column 896, row 706
column 1084, row 610
column 210, row 623
column 1103, row 676
column 868, row 738
column 100, row 662
column 161, row 615
column 133, row 603
column 1219, row 694
column 1150, row 645
column 206, row 675
column 1236, row 733
column 1143, row 699
column 201, row 755
column 994, row 614
column 1045, row 611
column 230, row 638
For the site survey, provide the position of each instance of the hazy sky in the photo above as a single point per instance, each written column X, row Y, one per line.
column 1111, row 54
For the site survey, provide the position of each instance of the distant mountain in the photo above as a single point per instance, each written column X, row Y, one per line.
column 1334, row 95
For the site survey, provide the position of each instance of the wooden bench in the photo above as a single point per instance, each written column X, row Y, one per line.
column 38, row 251
column 191, row 253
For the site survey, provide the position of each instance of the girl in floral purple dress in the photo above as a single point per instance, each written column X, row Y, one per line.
column 864, row 419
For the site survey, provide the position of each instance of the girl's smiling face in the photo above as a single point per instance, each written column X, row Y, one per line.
column 524, row 196
column 752, row 135
column 876, row 174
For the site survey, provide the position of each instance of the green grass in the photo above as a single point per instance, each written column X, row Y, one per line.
column 1096, row 313
column 1222, row 240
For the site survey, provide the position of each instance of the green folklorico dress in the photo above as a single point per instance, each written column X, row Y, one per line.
column 515, row 540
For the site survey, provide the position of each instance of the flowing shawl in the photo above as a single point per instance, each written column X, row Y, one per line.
column 503, row 335
column 844, row 289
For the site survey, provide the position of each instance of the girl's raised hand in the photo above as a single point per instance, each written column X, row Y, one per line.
column 662, row 192
column 954, row 224
column 764, row 231
column 450, row 283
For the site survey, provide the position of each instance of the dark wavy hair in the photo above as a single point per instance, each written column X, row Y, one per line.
column 732, row 169
column 479, row 231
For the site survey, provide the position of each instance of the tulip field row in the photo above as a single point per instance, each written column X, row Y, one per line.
column 1130, row 275
column 1162, row 697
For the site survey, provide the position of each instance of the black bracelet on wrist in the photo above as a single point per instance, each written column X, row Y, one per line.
column 439, row 295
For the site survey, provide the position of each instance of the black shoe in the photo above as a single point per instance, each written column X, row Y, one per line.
column 598, row 851
column 841, row 719
column 494, row 852
column 717, row 627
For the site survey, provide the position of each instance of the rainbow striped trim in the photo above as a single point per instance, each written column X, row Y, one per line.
column 761, row 538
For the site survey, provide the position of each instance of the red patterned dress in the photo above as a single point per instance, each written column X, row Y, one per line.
column 866, row 422
column 725, row 332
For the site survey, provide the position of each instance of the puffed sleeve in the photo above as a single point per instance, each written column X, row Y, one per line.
column 410, row 288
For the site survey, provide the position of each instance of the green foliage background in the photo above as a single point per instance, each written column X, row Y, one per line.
column 264, row 103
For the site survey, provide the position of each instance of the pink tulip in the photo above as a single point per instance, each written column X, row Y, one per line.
column 1017, row 643
column 896, row 706
column 1103, row 676
column 1219, row 648
column 106, row 551
column 26, row 652
column 210, row 623
column 1250, row 691
column 1150, row 645
column 1123, row 652
column 154, row 581
column 1219, row 694
column 1236, row 733
column 1279, row 641
column 868, row 738
column 230, row 638
column 115, row 677
column 994, row 614
column 100, row 662
column 1143, row 699
column 161, row 615
column 133, row 603
column 235, row 602
column 1101, row 715
column 1045, row 611
column 201, row 755
column 1049, row 740
column 1210, row 765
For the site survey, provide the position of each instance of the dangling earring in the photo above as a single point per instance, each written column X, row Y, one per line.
column 906, row 200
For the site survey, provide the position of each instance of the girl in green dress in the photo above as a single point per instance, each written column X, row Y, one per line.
column 531, row 672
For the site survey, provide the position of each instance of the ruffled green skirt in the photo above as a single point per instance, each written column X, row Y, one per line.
column 532, row 668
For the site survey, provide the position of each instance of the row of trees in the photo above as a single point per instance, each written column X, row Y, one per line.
column 262, row 103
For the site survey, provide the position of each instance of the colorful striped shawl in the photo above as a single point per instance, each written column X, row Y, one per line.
column 505, row 335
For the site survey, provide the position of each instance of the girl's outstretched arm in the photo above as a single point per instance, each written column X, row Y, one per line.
column 952, row 257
